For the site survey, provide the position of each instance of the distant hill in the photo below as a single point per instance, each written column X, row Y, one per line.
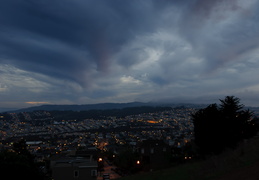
column 85, row 107
column 102, row 106
column 7, row 109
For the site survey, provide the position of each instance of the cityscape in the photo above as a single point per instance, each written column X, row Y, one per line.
column 153, row 140
column 46, row 137
column 41, row 125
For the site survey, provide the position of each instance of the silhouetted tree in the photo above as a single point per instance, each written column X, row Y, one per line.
column 216, row 127
column 236, row 121
column 19, row 163
column 126, row 159
column 206, row 128
column 20, row 147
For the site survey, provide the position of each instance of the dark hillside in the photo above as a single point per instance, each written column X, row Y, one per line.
column 84, row 107
column 104, row 114
column 239, row 164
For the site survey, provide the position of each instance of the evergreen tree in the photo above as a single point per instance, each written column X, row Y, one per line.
column 206, row 129
column 217, row 128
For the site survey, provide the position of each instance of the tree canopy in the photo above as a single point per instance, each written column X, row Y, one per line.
column 19, row 163
column 217, row 127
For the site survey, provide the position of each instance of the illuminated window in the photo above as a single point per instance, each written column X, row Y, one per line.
column 152, row 150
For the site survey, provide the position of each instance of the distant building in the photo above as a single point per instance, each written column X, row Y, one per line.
column 69, row 168
column 33, row 145
column 155, row 154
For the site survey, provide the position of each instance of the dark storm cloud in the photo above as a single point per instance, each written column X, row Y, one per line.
column 61, row 37
column 112, row 50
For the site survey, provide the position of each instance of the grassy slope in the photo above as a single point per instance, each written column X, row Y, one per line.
column 231, row 162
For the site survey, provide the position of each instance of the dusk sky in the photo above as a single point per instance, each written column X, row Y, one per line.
column 94, row 51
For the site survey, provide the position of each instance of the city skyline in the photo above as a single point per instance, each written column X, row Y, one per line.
column 88, row 52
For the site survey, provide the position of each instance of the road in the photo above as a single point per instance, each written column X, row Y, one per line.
column 107, row 170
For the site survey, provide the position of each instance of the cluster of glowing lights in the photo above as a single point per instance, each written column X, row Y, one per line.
column 153, row 122
column 187, row 157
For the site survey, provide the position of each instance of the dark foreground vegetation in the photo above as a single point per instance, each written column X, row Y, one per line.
column 222, row 126
column 19, row 163
column 238, row 164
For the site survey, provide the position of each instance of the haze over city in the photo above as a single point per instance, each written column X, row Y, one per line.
column 85, row 52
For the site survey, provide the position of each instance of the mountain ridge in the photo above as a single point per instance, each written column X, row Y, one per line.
column 102, row 106
column 81, row 107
